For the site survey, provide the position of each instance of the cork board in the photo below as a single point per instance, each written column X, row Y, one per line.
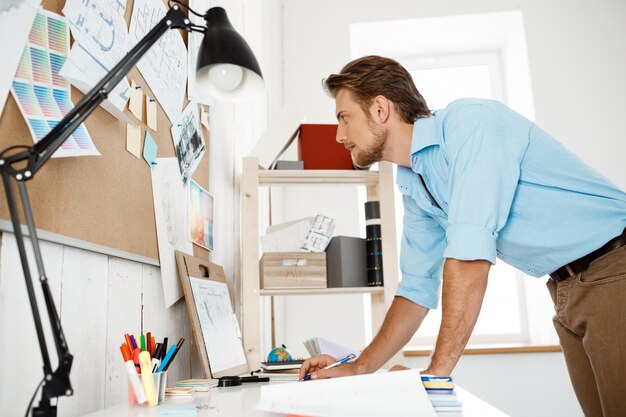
column 107, row 199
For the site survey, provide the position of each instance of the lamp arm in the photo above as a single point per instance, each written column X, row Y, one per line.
column 19, row 167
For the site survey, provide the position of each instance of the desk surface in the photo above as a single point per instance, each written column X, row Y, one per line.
column 242, row 400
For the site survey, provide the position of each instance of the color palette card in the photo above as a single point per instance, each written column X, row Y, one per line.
column 42, row 95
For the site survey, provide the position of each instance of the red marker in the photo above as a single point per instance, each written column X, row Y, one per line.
column 136, row 353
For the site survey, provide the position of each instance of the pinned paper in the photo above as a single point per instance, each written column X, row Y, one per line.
column 204, row 118
column 133, row 140
column 151, row 113
column 136, row 100
column 150, row 150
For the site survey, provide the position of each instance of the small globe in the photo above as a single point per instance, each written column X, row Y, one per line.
column 279, row 354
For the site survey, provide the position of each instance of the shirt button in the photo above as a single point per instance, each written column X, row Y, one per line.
column 530, row 270
column 500, row 256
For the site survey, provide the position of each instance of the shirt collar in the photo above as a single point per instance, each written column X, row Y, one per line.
column 424, row 134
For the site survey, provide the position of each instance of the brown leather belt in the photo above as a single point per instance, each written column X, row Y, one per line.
column 579, row 265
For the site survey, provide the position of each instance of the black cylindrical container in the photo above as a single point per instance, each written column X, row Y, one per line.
column 373, row 244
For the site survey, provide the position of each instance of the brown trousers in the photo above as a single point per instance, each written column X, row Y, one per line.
column 590, row 320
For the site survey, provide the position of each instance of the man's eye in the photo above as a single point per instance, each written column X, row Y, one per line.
column 345, row 118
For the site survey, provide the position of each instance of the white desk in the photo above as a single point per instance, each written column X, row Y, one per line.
column 241, row 401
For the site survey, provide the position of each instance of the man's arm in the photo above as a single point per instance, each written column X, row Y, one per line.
column 401, row 322
column 464, row 285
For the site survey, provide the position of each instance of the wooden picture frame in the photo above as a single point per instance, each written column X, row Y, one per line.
column 191, row 267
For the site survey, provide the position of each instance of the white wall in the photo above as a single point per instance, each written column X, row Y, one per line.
column 99, row 299
column 577, row 61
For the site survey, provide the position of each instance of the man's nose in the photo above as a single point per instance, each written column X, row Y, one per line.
column 341, row 135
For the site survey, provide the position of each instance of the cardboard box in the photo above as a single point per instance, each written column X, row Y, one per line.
column 288, row 270
column 346, row 262
column 318, row 148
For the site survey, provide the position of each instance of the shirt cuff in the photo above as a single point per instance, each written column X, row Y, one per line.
column 468, row 242
column 421, row 291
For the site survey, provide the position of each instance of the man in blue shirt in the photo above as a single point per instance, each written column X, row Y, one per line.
column 481, row 182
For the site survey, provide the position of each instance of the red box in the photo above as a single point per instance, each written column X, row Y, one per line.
column 318, row 148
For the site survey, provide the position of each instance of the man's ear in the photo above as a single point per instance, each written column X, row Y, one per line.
column 380, row 109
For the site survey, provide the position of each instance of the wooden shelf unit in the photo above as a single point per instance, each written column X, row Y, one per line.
column 380, row 186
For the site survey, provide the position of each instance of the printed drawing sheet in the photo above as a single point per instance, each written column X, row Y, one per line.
column 220, row 329
column 164, row 67
column 16, row 18
column 101, row 41
column 188, row 141
column 170, row 212
column 42, row 95
column 398, row 394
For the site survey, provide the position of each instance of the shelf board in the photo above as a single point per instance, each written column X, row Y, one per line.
column 310, row 291
column 317, row 176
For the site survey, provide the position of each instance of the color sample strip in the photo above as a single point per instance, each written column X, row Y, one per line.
column 24, row 67
column 46, row 102
column 39, row 128
column 57, row 34
column 37, row 35
column 56, row 62
column 25, row 96
column 41, row 66
column 63, row 100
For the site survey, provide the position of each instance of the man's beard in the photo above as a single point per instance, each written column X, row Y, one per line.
column 364, row 159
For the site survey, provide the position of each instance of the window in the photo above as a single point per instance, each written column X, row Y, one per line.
column 452, row 57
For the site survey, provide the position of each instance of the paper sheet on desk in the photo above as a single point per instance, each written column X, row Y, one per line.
column 395, row 394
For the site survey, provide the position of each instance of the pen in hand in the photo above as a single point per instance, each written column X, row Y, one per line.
column 332, row 365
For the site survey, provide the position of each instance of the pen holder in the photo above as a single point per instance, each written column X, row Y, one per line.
column 159, row 380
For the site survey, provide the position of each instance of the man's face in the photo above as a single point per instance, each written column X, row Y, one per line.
column 358, row 131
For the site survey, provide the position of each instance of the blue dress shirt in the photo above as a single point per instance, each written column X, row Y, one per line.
column 503, row 188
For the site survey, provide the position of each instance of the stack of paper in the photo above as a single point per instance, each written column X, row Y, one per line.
column 197, row 384
column 320, row 346
column 440, row 391
column 397, row 394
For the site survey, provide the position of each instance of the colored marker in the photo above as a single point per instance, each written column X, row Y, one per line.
column 142, row 338
column 167, row 358
column 178, row 346
column 146, row 377
column 132, row 374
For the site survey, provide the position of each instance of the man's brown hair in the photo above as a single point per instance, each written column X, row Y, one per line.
column 372, row 75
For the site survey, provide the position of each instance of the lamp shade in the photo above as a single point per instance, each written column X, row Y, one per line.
column 226, row 67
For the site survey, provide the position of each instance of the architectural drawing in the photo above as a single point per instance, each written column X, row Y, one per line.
column 164, row 67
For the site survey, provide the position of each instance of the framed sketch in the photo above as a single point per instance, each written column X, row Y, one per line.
column 215, row 327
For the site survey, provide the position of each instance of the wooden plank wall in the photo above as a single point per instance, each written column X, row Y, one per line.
column 99, row 298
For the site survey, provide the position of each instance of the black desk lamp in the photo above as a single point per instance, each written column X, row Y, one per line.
column 226, row 68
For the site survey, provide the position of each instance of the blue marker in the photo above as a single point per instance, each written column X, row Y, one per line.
column 332, row 365
column 167, row 358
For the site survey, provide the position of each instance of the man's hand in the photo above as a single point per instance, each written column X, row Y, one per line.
column 315, row 366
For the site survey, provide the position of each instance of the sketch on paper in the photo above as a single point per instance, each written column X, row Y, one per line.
column 42, row 95
column 170, row 212
column 188, row 141
column 200, row 216
column 220, row 329
column 101, row 41
column 164, row 67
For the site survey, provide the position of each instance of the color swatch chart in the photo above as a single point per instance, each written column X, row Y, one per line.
column 42, row 95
